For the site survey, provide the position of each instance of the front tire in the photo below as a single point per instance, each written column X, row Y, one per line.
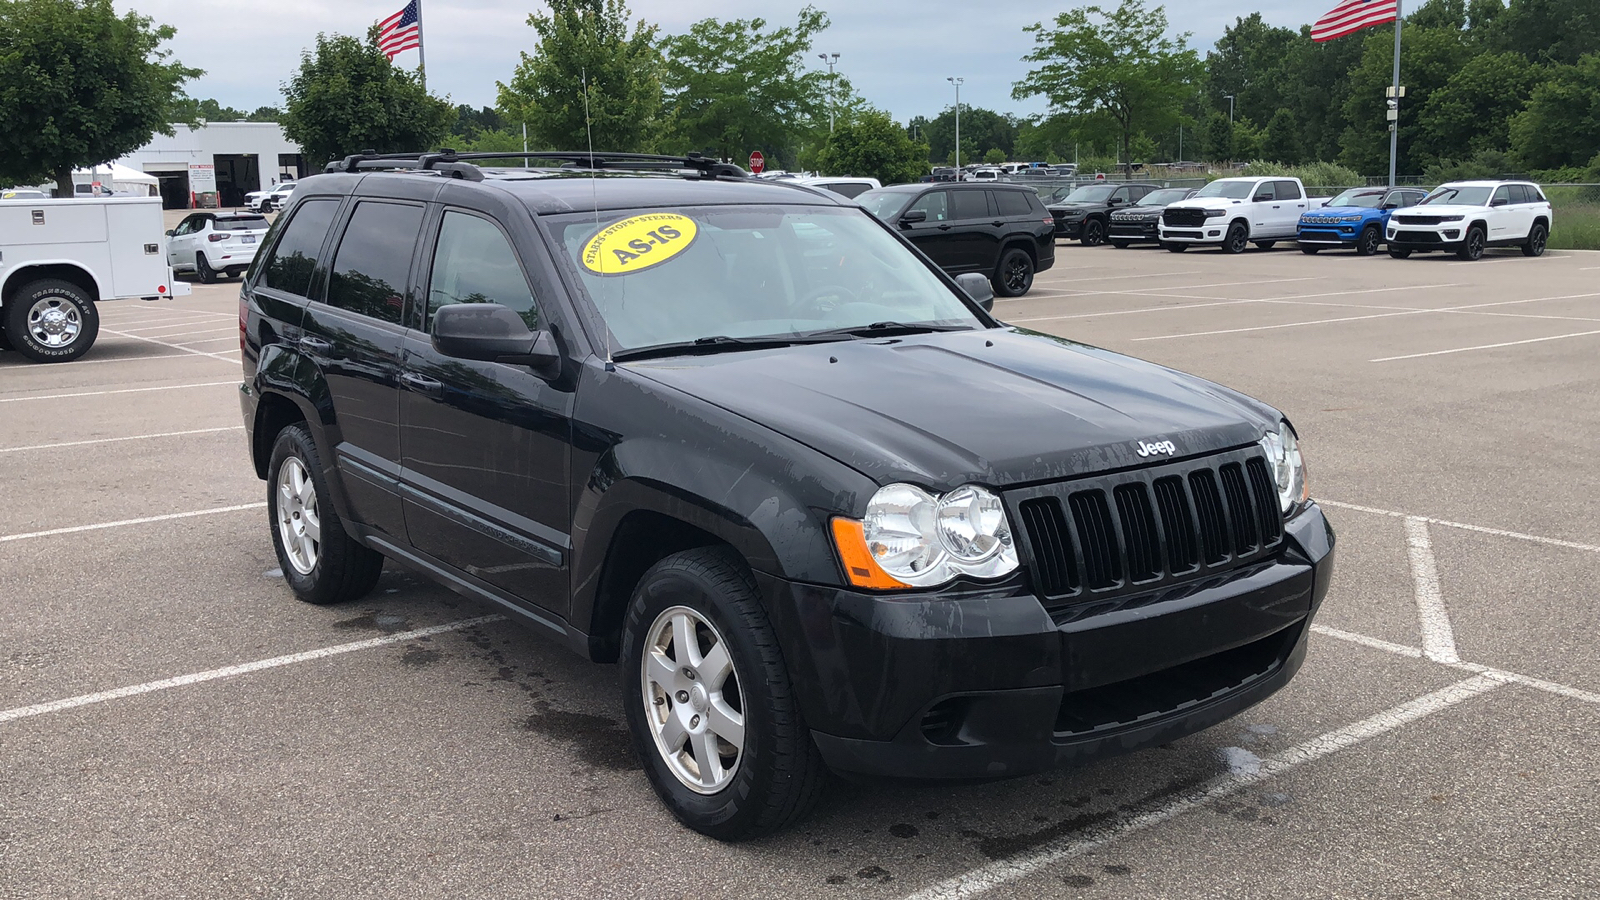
column 709, row 702
column 321, row 563
column 1399, row 254
column 1237, row 239
column 1367, row 243
column 1537, row 239
column 1014, row 277
column 1472, row 245
column 1120, row 245
column 1309, row 251
column 51, row 320
column 1094, row 233
column 1266, row 245
column 1175, row 248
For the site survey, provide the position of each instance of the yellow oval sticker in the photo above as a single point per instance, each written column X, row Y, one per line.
column 642, row 242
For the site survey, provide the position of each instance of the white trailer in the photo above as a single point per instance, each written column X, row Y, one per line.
column 58, row 258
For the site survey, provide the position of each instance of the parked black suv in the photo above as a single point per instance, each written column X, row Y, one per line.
column 739, row 437
column 1140, row 222
column 999, row 230
column 1085, row 212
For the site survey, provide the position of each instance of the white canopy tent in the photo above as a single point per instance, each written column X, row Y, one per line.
column 120, row 179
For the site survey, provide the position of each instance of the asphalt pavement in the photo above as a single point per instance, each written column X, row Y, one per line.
column 174, row 724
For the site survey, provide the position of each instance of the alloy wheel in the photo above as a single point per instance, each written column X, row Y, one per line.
column 299, row 524
column 1017, row 276
column 692, row 700
column 54, row 322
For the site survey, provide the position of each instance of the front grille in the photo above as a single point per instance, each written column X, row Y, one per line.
column 1146, row 529
column 1184, row 218
column 1417, row 237
column 1418, row 220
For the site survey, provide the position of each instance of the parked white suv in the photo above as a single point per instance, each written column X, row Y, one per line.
column 209, row 244
column 1470, row 216
column 844, row 186
column 1233, row 212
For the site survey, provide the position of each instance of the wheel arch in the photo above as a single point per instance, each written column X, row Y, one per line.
column 64, row 270
column 291, row 389
column 1023, row 241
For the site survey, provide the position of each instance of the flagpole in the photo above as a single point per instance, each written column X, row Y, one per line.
column 422, row 61
column 1394, row 126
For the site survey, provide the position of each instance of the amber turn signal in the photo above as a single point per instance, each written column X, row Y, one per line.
column 859, row 567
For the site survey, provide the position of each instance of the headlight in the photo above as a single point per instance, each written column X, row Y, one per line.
column 911, row 538
column 1349, row 218
column 1450, row 218
column 1288, row 466
column 1213, row 213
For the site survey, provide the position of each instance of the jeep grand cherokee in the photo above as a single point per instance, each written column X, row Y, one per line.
column 745, row 440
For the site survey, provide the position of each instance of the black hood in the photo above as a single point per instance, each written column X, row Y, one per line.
column 1000, row 407
column 1141, row 212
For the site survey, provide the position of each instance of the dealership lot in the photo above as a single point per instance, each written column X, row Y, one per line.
column 173, row 723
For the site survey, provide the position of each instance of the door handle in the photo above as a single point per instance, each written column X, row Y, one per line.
column 315, row 345
column 998, row 222
column 422, row 384
column 944, row 227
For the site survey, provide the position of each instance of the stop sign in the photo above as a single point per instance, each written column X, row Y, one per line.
column 757, row 161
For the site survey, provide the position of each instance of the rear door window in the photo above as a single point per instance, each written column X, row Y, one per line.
column 373, row 263
column 295, row 257
column 1287, row 190
column 1013, row 203
column 1519, row 194
column 969, row 205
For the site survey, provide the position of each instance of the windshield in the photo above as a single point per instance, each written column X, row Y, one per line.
column 681, row 275
column 1162, row 198
column 1233, row 190
column 286, row 186
column 1464, row 195
column 1094, row 193
column 1356, row 197
column 885, row 204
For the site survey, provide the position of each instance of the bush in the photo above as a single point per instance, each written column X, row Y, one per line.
column 1316, row 174
column 1485, row 164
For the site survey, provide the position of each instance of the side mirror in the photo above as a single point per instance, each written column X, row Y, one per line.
column 977, row 286
column 1391, row 205
column 912, row 217
column 1261, row 198
column 1497, row 202
column 169, row 232
column 1115, row 201
column 489, row 332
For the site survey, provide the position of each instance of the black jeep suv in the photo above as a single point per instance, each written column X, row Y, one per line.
column 743, row 439
column 999, row 230
column 1084, row 213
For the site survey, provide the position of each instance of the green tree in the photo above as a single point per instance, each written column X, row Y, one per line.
column 1548, row 31
column 1314, row 77
column 1281, row 140
column 192, row 112
column 265, row 114
column 994, row 156
column 873, row 146
column 1430, row 56
column 1217, row 139
column 1250, row 63
column 742, row 85
column 589, row 75
column 982, row 130
column 1119, row 62
column 1561, row 126
column 348, row 97
column 1472, row 112
column 471, row 122
column 80, row 85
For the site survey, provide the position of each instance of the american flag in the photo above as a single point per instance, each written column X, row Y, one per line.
column 401, row 31
column 1352, row 16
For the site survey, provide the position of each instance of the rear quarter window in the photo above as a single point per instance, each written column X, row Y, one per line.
column 298, row 252
column 1015, row 203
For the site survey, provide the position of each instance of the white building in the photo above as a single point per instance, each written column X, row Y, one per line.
column 235, row 157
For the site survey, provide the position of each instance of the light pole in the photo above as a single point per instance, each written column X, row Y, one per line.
column 831, row 59
column 1229, row 98
column 958, row 82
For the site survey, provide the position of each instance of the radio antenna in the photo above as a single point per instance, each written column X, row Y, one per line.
column 594, row 194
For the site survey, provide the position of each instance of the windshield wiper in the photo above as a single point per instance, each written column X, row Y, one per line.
column 882, row 329
column 720, row 343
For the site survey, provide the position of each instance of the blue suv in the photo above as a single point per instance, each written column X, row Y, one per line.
column 1354, row 219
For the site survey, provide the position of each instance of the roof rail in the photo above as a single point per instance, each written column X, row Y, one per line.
column 456, row 165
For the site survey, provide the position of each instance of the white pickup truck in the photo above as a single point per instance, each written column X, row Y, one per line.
column 1232, row 213
column 58, row 258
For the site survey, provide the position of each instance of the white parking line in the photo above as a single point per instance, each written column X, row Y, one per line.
column 165, row 684
column 224, row 326
column 1385, row 315
column 1438, row 638
column 1001, row 872
column 26, row 367
column 232, row 337
column 118, row 524
column 1503, row 259
column 141, row 337
column 169, row 387
column 113, row 440
column 1554, row 542
column 1556, row 337
column 1129, row 312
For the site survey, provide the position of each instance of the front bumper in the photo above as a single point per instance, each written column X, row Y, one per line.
column 1212, row 232
column 1146, row 230
column 1069, row 228
column 1328, row 235
column 986, row 684
column 1446, row 236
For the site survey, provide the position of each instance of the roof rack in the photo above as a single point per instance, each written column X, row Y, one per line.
column 456, row 165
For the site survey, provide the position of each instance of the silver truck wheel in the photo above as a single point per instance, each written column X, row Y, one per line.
column 51, row 320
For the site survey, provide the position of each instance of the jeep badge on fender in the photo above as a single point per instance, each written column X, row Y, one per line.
column 1159, row 447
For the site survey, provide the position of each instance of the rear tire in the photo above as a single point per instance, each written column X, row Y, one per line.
column 203, row 270
column 321, row 563
column 1537, row 239
column 1367, row 243
column 1014, row 276
column 1399, row 254
column 1237, row 239
column 51, row 320
column 1472, row 245
column 771, row 775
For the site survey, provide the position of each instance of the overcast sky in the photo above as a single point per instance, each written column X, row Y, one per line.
column 896, row 52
